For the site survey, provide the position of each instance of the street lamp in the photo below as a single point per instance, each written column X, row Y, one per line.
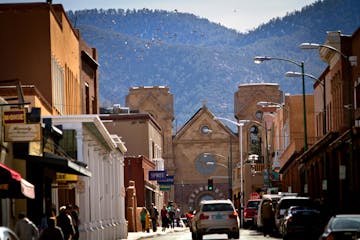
column 298, row 74
column 207, row 130
column 260, row 59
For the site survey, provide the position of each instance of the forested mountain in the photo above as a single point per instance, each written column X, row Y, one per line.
column 201, row 60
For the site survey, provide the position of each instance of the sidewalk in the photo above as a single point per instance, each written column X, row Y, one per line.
column 143, row 235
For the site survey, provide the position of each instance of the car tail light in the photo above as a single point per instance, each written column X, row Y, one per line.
column 246, row 213
column 289, row 219
column 330, row 237
column 233, row 215
column 203, row 216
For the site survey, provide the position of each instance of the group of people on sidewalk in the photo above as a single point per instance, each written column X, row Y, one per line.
column 64, row 226
column 169, row 215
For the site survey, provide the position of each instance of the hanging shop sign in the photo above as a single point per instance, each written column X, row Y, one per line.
column 14, row 116
column 22, row 132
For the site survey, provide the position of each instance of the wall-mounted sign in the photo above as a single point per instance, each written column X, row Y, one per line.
column 22, row 132
column 157, row 175
column 168, row 181
column 165, row 188
column 64, row 177
column 13, row 116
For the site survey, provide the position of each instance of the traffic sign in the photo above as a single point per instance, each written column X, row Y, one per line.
column 157, row 175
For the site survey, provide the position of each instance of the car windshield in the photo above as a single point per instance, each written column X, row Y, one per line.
column 296, row 202
column 217, row 207
column 253, row 204
column 346, row 223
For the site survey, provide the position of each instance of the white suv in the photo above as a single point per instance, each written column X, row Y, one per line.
column 215, row 217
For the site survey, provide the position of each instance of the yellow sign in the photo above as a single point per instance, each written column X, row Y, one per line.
column 22, row 132
column 63, row 177
column 14, row 116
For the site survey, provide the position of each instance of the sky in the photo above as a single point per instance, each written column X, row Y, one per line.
column 241, row 15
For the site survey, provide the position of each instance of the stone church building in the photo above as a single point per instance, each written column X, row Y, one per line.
column 206, row 148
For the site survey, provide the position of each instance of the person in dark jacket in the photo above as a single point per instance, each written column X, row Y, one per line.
column 52, row 232
column 64, row 221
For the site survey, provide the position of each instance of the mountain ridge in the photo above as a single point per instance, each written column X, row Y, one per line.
column 198, row 59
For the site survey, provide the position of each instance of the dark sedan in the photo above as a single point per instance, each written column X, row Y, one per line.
column 342, row 226
column 300, row 221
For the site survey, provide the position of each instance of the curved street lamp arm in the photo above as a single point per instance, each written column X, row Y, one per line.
column 260, row 59
column 225, row 119
column 307, row 46
column 298, row 74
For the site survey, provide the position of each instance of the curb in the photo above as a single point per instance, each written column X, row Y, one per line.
column 141, row 235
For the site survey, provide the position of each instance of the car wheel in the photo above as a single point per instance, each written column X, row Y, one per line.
column 235, row 235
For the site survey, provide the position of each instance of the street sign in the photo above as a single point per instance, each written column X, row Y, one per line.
column 168, row 181
column 157, row 175
column 165, row 188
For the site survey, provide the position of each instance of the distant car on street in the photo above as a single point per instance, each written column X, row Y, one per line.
column 250, row 211
column 215, row 217
column 7, row 234
column 342, row 226
column 301, row 221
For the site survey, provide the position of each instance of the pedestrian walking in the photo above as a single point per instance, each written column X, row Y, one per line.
column 171, row 212
column 267, row 214
column 76, row 221
column 164, row 218
column 25, row 229
column 154, row 215
column 143, row 214
column 64, row 221
column 52, row 232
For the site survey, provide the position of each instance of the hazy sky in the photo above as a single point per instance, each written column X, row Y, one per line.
column 242, row 15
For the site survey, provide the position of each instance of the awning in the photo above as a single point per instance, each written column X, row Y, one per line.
column 60, row 164
column 12, row 185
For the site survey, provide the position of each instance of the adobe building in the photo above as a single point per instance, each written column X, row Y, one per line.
column 58, row 74
column 143, row 138
column 159, row 103
column 329, row 169
column 41, row 48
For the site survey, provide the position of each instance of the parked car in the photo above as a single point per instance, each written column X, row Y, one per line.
column 7, row 234
column 301, row 221
column 250, row 211
column 342, row 226
column 215, row 217
column 286, row 202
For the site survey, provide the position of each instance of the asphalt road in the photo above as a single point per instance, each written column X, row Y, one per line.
column 245, row 234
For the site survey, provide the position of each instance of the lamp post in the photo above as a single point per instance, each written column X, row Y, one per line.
column 260, row 59
column 229, row 159
column 298, row 74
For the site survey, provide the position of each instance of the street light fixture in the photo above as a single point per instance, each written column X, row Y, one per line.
column 260, row 59
column 298, row 74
